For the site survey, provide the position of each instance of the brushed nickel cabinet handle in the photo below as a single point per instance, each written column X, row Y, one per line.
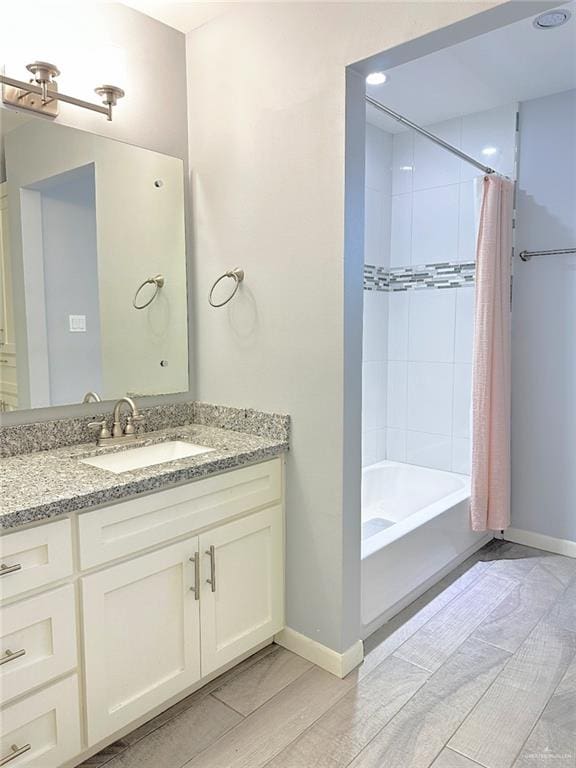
column 196, row 587
column 16, row 752
column 11, row 655
column 212, row 555
column 6, row 569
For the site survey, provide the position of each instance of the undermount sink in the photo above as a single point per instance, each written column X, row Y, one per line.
column 146, row 456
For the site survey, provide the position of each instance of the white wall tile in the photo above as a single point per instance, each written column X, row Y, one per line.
column 434, row 166
column 402, row 162
column 464, row 341
column 431, row 326
column 396, row 401
column 461, row 456
column 373, row 230
column 430, row 393
column 484, row 132
column 398, row 325
column 401, row 230
column 375, row 321
column 386, row 230
column 369, row 447
column 435, row 225
column 427, row 450
column 378, row 159
column 469, row 216
column 396, row 444
column 374, row 387
column 462, row 400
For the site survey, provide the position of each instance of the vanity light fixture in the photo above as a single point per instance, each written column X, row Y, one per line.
column 41, row 93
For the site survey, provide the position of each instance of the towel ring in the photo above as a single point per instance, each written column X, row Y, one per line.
column 237, row 275
column 158, row 281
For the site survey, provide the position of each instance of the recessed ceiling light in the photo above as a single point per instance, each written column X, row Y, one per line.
column 489, row 151
column 376, row 78
column 551, row 19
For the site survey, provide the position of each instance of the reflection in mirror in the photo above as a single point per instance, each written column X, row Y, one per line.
column 92, row 267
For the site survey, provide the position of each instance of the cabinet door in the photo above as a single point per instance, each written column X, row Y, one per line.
column 141, row 636
column 242, row 586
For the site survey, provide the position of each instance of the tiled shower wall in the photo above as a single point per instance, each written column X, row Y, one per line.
column 421, row 209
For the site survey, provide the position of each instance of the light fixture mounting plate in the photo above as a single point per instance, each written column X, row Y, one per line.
column 32, row 102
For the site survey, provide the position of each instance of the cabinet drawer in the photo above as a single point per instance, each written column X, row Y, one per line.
column 44, row 727
column 37, row 641
column 121, row 529
column 34, row 557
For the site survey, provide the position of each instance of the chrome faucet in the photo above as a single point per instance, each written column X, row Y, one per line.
column 92, row 397
column 134, row 415
column 118, row 435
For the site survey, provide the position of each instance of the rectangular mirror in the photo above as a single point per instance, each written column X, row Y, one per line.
column 92, row 267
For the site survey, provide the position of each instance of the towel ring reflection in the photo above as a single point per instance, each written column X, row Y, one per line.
column 157, row 281
column 237, row 275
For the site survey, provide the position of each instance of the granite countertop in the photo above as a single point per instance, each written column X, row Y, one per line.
column 46, row 484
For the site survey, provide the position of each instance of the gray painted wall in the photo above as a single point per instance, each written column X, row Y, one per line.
column 544, row 322
column 276, row 192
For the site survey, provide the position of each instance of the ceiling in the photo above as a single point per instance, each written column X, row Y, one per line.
column 190, row 15
column 513, row 63
column 182, row 16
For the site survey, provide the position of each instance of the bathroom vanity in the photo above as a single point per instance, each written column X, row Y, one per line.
column 122, row 592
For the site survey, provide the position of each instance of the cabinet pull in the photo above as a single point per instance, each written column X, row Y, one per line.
column 212, row 555
column 6, row 569
column 196, row 587
column 16, row 752
column 11, row 655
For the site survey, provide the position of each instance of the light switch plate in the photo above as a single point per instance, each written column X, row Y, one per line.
column 77, row 323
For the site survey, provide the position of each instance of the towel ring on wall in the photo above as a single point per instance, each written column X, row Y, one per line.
column 237, row 275
column 158, row 281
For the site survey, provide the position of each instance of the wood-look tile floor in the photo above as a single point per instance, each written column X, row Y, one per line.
column 479, row 671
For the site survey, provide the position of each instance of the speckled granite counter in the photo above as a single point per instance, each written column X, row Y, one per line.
column 46, row 484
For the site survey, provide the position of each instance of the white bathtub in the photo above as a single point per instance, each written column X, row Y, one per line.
column 415, row 528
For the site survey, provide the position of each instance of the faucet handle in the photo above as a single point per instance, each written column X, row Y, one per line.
column 101, row 427
column 130, row 428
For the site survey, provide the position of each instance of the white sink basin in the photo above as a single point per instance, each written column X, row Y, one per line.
column 147, row 456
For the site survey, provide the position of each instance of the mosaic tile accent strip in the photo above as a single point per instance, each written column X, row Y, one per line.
column 448, row 274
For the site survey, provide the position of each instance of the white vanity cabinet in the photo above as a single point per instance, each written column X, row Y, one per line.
column 141, row 636
column 134, row 605
column 242, row 586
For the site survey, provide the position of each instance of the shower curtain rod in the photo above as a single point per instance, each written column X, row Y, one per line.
column 431, row 136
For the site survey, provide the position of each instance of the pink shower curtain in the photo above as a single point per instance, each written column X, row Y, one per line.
column 490, row 503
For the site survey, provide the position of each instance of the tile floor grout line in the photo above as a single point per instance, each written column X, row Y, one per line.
column 229, row 706
column 495, row 645
column 263, row 704
column 472, row 760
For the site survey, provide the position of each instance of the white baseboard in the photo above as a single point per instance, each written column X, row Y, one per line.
column 339, row 664
column 540, row 541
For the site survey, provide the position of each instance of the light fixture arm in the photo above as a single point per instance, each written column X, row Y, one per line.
column 19, row 93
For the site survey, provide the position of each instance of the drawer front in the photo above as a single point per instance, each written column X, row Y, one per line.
column 37, row 641
column 42, row 730
column 34, row 558
column 121, row 529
